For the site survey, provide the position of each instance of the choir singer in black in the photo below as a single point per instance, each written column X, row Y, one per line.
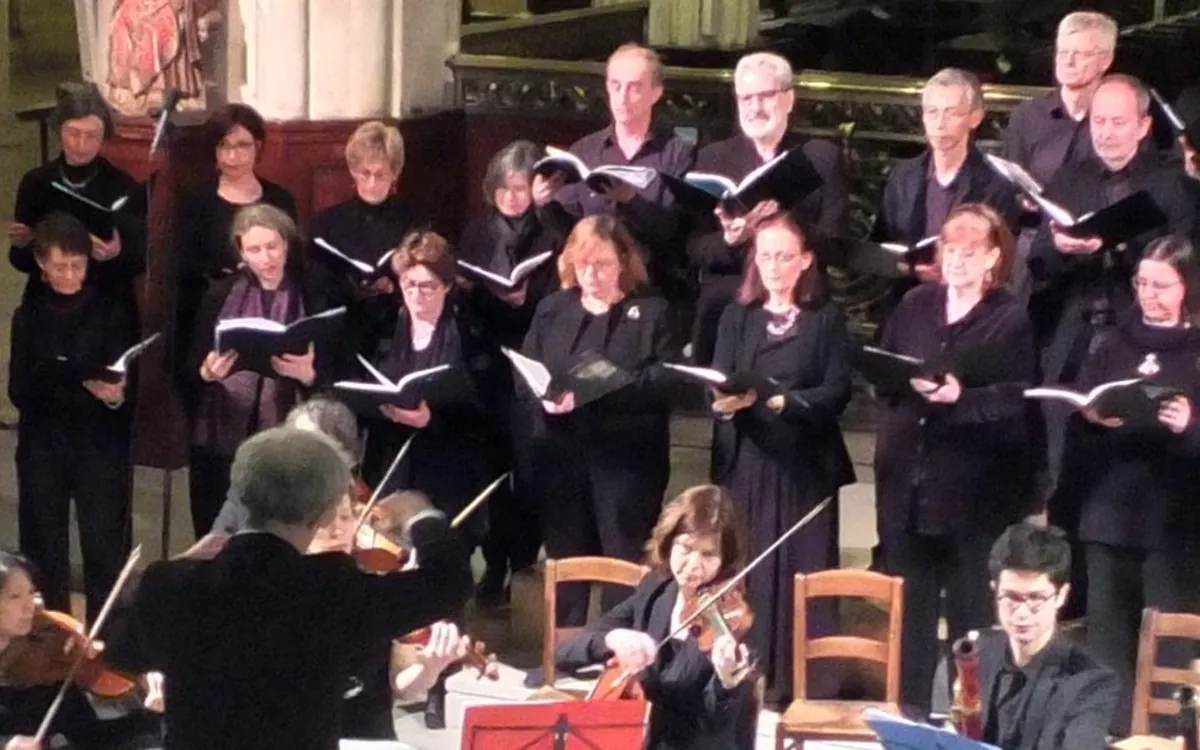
column 922, row 191
column 634, row 84
column 764, row 89
column 255, row 644
column 365, row 227
column 1135, row 484
column 448, row 458
column 237, row 134
column 82, row 121
column 73, row 432
column 782, row 453
column 1081, row 284
column 600, row 469
column 952, row 464
column 233, row 404
column 514, row 231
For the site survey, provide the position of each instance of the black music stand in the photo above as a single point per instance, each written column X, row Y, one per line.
column 569, row 725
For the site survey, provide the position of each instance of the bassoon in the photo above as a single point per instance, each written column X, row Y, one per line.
column 967, row 706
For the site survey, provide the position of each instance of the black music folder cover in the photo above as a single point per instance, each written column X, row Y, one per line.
column 257, row 340
column 97, row 217
column 557, row 161
column 1134, row 401
column 736, row 383
column 382, row 266
column 890, row 260
column 118, row 370
column 589, row 376
column 513, row 278
column 787, row 179
column 433, row 385
column 886, row 370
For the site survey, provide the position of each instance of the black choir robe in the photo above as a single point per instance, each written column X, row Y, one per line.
column 720, row 265
column 601, row 470
column 448, row 458
column 1064, row 700
column 364, row 232
column 70, row 445
column 105, row 184
column 690, row 708
column 256, row 644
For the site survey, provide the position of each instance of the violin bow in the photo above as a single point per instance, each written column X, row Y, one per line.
column 56, row 706
column 378, row 493
column 479, row 500
column 735, row 580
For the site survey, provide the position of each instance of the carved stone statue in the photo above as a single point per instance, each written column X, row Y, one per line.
column 154, row 45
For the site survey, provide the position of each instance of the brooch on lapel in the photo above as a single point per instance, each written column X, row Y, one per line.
column 633, row 313
column 1149, row 365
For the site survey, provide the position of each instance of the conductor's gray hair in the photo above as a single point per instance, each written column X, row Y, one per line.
column 288, row 476
column 777, row 65
column 1089, row 20
column 957, row 78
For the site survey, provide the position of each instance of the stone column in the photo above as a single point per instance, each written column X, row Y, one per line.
column 331, row 59
column 703, row 24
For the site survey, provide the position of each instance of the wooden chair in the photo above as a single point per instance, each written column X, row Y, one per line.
column 1157, row 625
column 830, row 719
column 608, row 570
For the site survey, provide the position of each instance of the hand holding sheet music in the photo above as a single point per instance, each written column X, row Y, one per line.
column 600, row 179
column 1132, row 402
column 409, row 392
column 506, row 281
column 738, row 383
column 381, row 268
column 891, row 260
column 96, row 217
column 258, row 340
column 588, row 377
column 786, row 179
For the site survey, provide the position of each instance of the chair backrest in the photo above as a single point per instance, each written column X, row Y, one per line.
column 609, row 570
column 847, row 583
column 1156, row 625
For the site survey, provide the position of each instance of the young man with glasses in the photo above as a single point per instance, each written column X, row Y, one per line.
column 1039, row 690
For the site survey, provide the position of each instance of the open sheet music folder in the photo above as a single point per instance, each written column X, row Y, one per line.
column 898, row 733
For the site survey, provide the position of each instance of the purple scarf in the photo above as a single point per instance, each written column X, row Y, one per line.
column 246, row 402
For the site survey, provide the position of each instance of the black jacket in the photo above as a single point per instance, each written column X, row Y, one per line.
column 257, row 643
column 690, row 708
column 1070, row 703
column 962, row 466
column 805, row 438
column 1137, row 487
column 824, row 210
column 1066, row 287
column 902, row 213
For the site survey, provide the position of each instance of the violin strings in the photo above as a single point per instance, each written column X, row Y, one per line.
column 379, row 488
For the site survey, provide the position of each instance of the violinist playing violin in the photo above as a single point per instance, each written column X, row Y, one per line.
column 256, row 644
column 29, row 681
column 696, row 698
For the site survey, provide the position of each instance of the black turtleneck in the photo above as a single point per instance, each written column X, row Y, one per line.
column 1133, row 482
column 103, row 183
column 56, row 340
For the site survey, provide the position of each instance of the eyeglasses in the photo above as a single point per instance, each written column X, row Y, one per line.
column 595, row 266
column 423, row 288
column 1067, row 54
column 761, row 97
column 1011, row 601
column 966, row 252
column 236, row 146
column 1155, row 287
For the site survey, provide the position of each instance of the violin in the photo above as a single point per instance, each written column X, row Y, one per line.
column 373, row 550
column 477, row 656
column 47, row 656
column 729, row 614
